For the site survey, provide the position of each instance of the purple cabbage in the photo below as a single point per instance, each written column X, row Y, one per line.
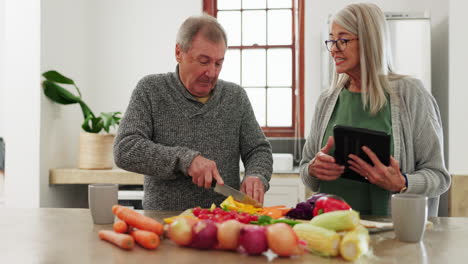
column 303, row 210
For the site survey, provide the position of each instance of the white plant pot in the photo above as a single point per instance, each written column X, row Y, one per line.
column 96, row 151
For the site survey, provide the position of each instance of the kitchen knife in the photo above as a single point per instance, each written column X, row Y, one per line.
column 237, row 195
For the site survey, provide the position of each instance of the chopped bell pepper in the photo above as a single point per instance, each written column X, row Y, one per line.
column 170, row 220
column 212, row 207
column 234, row 205
column 327, row 204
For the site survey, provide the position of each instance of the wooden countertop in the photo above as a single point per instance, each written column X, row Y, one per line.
column 56, row 235
column 118, row 176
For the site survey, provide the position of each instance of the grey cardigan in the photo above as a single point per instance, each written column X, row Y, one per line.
column 165, row 127
column 417, row 135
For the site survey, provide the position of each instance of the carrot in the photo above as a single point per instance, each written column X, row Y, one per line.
column 135, row 219
column 275, row 211
column 121, row 227
column 275, row 206
column 121, row 240
column 284, row 210
column 146, row 239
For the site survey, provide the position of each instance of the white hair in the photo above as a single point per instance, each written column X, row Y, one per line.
column 207, row 25
column 367, row 21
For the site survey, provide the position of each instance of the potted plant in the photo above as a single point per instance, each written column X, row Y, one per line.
column 95, row 139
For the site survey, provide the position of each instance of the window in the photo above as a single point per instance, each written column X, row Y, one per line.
column 265, row 56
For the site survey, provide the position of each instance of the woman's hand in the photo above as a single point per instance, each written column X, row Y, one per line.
column 323, row 166
column 388, row 178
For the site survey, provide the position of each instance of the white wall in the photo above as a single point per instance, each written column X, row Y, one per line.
column 2, row 63
column 130, row 40
column 440, row 64
column 106, row 46
column 20, row 100
column 65, row 46
column 458, row 110
column 2, row 85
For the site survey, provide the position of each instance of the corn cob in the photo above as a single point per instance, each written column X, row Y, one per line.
column 319, row 240
column 337, row 220
column 355, row 243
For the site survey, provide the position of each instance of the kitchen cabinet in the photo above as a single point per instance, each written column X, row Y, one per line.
column 458, row 193
column 285, row 190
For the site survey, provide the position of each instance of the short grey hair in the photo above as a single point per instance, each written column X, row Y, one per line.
column 207, row 25
column 367, row 21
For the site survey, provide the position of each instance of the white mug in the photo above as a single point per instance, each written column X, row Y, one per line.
column 409, row 216
column 101, row 198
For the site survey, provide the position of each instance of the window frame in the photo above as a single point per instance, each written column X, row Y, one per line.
column 297, row 128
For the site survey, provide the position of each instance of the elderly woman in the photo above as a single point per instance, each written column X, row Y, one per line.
column 366, row 93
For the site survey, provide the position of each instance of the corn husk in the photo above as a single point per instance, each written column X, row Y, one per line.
column 319, row 240
column 337, row 220
column 355, row 243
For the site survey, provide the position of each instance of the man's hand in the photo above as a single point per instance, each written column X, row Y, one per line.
column 253, row 187
column 203, row 171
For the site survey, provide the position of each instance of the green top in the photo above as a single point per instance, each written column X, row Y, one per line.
column 368, row 199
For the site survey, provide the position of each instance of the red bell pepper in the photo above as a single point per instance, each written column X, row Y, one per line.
column 328, row 204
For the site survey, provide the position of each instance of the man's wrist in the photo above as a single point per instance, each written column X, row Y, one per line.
column 186, row 160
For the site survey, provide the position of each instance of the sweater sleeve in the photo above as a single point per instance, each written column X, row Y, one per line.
column 134, row 149
column 254, row 147
column 311, row 147
column 430, row 177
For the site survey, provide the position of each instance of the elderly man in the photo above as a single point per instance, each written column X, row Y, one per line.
column 186, row 130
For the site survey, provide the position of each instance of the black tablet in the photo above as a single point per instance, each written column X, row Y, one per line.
column 349, row 140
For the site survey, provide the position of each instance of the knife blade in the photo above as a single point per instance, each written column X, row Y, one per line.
column 237, row 195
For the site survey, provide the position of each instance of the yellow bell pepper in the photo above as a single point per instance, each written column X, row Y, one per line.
column 234, row 205
column 212, row 207
column 169, row 220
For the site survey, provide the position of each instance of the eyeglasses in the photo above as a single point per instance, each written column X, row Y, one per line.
column 340, row 43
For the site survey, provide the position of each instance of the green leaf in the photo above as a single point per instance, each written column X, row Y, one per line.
column 86, row 125
column 110, row 119
column 286, row 221
column 263, row 220
column 59, row 94
column 55, row 76
column 92, row 124
column 268, row 220
column 86, row 110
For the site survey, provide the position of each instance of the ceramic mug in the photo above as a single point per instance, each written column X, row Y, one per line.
column 409, row 215
column 101, row 198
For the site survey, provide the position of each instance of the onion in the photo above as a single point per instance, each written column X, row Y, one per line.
column 253, row 239
column 204, row 235
column 282, row 239
column 180, row 231
column 228, row 234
